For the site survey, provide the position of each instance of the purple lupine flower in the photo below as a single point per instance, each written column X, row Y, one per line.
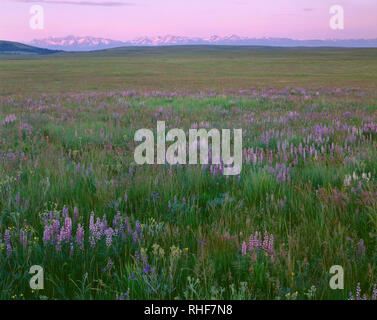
column 125, row 197
column 265, row 240
column 75, row 213
column 134, row 237
column 358, row 291
column 68, row 228
column 109, row 234
column 126, row 225
column 65, row 212
column 80, row 236
column 243, row 248
column 47, row 234
column 361, row 248
column 271, row 244
column 56, row 228
column 256, row 242
column 17, row 199
column 116, row 221
column 93, row 231
column 138, row 227
column 60, row 238
column 99, row 226
column 91, row 222
column 23, row 238
column 103, row 225
column 7, row 242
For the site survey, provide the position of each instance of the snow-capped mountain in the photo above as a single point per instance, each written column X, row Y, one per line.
column 73, row 43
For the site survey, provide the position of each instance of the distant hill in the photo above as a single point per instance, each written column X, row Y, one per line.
column 87, row 43
column 10, row 47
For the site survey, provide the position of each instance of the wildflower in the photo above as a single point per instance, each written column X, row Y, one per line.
column 80, row 236
column 103, row 225
column 138, row 227
column 56, row 228
column 75, row 213
column 256, row 242
column 10, row 118
column 147, row 269
column 202, row 242
column 244, row 248
column 347, row 180
column 109, row 265
column 65, row 212
column 93, row 231
column 125, row 295
column 117, row 223
column 109, row 234
column 175, row 252
column 134, row 237
column 366, row 176
column 358, row 291
column 60, row 239
column 17, row 198
column 132, row 276
column 23, row 238
column 68, row 228
column 7, row 242
column 47, row 234
column 157, row 250
column 361, row 250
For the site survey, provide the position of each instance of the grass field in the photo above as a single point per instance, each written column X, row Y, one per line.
column 189, row 68
column 73, row 200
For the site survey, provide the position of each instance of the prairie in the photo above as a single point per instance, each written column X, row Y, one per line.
column 73, row 200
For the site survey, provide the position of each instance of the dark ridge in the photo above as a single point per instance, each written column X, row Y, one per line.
column 10, row 47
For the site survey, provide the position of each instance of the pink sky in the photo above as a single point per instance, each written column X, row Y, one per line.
column 127, row 19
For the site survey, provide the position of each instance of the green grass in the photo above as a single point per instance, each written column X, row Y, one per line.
column 189, row 68
column 64, row 151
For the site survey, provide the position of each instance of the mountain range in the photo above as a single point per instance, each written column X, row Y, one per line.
column 87, row 43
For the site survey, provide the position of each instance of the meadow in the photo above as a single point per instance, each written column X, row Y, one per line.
column 73, row 200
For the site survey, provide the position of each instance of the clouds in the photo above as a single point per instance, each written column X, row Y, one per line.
column 80, row 3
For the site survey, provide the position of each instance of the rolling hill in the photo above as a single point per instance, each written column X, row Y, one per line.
column 10, row 47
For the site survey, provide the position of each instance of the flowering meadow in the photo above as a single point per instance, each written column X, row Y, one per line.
column 73, row 200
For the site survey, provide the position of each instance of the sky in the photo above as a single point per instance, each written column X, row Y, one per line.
column 127, row 19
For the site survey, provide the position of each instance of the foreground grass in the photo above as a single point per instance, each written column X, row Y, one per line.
column 184, row 232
